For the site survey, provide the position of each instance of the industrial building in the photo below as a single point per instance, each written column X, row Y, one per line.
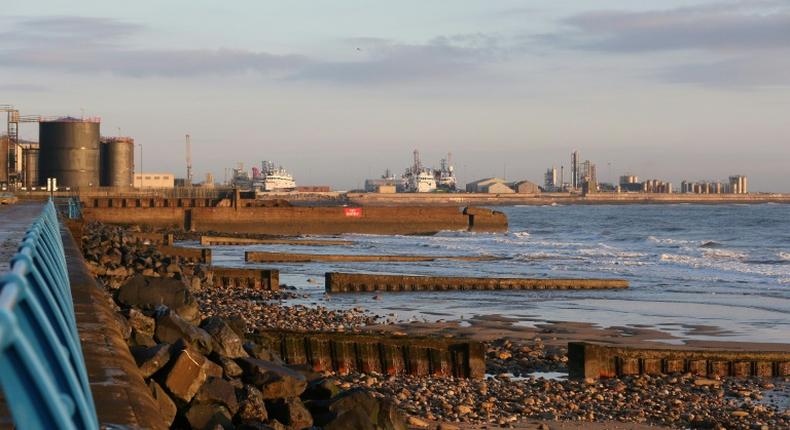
column 551, row 182
column 154, row 180
column 738, row 184
column 489, row 185
column 525, row 187
column 656, row 186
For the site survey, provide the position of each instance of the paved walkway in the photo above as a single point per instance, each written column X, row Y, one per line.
column 14, row 222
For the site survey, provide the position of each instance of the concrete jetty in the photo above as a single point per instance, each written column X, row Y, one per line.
column 389, row 355
column 229, row 240
column 589, row 360
column 355, row 282
column 287, row 257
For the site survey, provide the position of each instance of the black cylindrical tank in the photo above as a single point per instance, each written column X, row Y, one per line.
column 117, row 162
column 69, row 152
column 30, row 158
column 3, row 159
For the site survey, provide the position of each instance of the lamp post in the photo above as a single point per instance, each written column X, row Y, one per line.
column 141, row 165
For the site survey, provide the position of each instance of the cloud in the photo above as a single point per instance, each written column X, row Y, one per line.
column 79, row 44
column 728, row 26
column 101, row 45
column 23, row 88
column 768, row 70
column 389, row 61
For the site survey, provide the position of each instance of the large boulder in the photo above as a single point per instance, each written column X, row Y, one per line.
column 187, row 375
column 150, row 360
column 252, row 407
column 226, row 342
column 171, row 328
column 358, row 409
column 219, row 391
column 290, row 412
column 166, row 405
column 274, row 381
column 209, row 416
column 148, row 293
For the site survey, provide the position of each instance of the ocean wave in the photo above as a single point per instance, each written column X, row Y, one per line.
column 723, row 253
column 726, row 265
column 675, row 242
column 711, row 244
column 784, row 255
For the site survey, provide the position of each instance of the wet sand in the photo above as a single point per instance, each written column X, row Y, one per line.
column 559, row 333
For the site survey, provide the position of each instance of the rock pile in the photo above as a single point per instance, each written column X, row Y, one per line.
column 682, row 401
column 204, row 374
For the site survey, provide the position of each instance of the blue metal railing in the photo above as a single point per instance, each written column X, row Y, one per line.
column 42, row 369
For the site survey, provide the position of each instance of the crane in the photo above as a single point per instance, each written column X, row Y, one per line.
column 189, row 160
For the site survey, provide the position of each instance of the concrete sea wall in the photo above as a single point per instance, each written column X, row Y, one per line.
column 122, row 398
column 376, row 353
column 356, row 282
column 587, row 360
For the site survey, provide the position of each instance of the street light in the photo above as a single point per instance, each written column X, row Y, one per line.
column 141, row 165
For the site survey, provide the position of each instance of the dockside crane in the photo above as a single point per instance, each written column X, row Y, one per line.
column 189, row 160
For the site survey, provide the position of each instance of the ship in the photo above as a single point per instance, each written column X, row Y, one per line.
column 420, row 179
column 271, row 178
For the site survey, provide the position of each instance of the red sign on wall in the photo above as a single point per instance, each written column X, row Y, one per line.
column 355, row 212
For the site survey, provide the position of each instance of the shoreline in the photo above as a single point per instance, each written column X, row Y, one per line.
column 548, row 199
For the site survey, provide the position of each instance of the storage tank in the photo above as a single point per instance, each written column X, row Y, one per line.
column 30, row 159
column 69, row 152
column 117, row 162
column 3, row 159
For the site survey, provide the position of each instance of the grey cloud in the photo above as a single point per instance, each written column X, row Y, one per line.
column 78, row 44
column 720, row 26
column 23, row 88
column 387, row 61
column 766, row 70
column 97, row 45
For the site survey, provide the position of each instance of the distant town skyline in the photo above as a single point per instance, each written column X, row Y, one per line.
column 337, row 92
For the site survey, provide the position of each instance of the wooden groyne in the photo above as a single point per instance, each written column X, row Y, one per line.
column 394, row 355
column 588, row 360
column 226, row 240
column 287, row 257
column 259, row 279
column 355, row 282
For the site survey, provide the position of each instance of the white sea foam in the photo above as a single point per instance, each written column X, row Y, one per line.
column 784, row 255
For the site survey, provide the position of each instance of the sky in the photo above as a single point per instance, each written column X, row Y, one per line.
column 338, row 91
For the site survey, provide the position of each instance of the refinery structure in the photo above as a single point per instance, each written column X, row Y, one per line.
column 72, row 155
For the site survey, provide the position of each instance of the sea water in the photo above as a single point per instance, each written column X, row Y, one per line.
column 696, row 271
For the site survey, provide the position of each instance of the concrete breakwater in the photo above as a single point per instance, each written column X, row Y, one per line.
column 190, row 255
column 393, row 355
column 287, row 257
column 294, row 221
column 356, row 282
column 587, row 360
column 225, row 240
column 259, row 279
